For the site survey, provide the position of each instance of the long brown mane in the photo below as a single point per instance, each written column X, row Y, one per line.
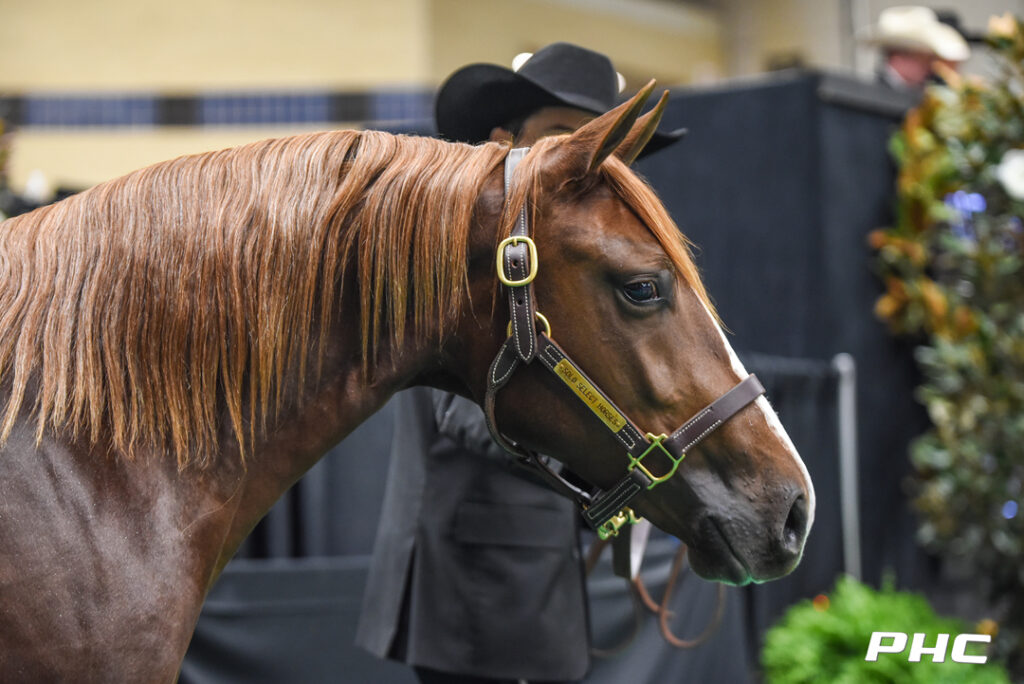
column 144, row 303
column 150, row 304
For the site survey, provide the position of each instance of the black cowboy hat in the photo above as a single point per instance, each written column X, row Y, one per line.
column 479, row 97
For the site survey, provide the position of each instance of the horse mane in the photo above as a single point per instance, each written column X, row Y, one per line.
column 150, row 304
column 143, row 304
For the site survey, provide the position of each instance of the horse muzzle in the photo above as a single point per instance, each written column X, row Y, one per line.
column 756, row 545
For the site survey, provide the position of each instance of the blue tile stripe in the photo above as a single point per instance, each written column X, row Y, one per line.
column 262, row 108
column 71, row 110
column 401, row 106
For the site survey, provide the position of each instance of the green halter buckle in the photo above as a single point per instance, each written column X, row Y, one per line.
column 656, row 441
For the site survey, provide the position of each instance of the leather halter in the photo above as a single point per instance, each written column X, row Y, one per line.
column 605, row 511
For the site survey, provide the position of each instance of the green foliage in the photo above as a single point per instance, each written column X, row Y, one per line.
column 953, row 266
column 826, row 641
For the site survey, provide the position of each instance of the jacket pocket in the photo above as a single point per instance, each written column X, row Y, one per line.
column 512, row 525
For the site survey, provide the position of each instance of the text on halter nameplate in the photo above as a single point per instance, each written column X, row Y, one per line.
column 585, row 391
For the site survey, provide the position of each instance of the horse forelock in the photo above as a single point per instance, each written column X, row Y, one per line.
column 641, row 198
column 628, row 187
column 149, row 305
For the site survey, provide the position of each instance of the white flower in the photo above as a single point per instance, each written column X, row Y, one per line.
column 1011, row 173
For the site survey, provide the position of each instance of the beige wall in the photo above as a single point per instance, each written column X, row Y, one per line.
column 77, row 158
column 190, row 46
column 672, row 42
column 756, row 32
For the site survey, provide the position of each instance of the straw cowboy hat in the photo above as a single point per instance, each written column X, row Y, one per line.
column 916, row 29
column 479, row 97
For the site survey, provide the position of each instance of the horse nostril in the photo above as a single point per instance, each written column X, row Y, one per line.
column 795, row 527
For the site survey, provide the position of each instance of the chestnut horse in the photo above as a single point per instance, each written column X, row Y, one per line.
column 178, row 346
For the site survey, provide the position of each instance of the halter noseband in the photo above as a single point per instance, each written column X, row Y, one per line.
column 609, row 510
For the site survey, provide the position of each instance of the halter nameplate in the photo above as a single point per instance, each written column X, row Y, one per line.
column 577, row 382
column 607, row 512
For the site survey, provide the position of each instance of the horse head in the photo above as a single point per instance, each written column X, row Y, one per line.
column 614, row 284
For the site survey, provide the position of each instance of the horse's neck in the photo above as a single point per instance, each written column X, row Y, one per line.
column 327, row 411
column 345, row 397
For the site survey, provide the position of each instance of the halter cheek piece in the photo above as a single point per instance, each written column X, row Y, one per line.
column 605, row 511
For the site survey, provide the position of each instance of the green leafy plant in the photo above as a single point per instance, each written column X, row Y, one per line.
column 826, row 640
column 952, row 267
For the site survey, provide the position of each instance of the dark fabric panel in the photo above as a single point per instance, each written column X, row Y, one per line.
column 284, row 622
column 292, row 621
column 741, row 186
column 859, row 177
column 805, row 395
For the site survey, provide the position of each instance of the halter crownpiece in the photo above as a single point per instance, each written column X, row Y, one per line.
column 605, row 511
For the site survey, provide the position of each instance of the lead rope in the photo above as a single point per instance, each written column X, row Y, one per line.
column 641, row 599
column 664, row 614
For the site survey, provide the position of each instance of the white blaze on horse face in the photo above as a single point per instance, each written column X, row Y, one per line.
column 771, row 418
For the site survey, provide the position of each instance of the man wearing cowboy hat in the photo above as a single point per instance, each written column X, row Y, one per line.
column 476, row 573
column 913, row 40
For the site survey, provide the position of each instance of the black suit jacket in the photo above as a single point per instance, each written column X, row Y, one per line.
column 476, row 567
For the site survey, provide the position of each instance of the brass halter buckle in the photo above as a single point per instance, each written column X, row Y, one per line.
column 514, row 240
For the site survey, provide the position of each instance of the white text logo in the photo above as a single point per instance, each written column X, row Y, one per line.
column 896, row 642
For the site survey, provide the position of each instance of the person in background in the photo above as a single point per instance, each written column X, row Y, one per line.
column 913, row 42
column 476, row 573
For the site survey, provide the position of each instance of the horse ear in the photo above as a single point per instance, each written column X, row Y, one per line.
column 585, row 150
column 641, row 132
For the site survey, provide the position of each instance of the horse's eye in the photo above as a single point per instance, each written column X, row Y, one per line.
column 641, row 291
